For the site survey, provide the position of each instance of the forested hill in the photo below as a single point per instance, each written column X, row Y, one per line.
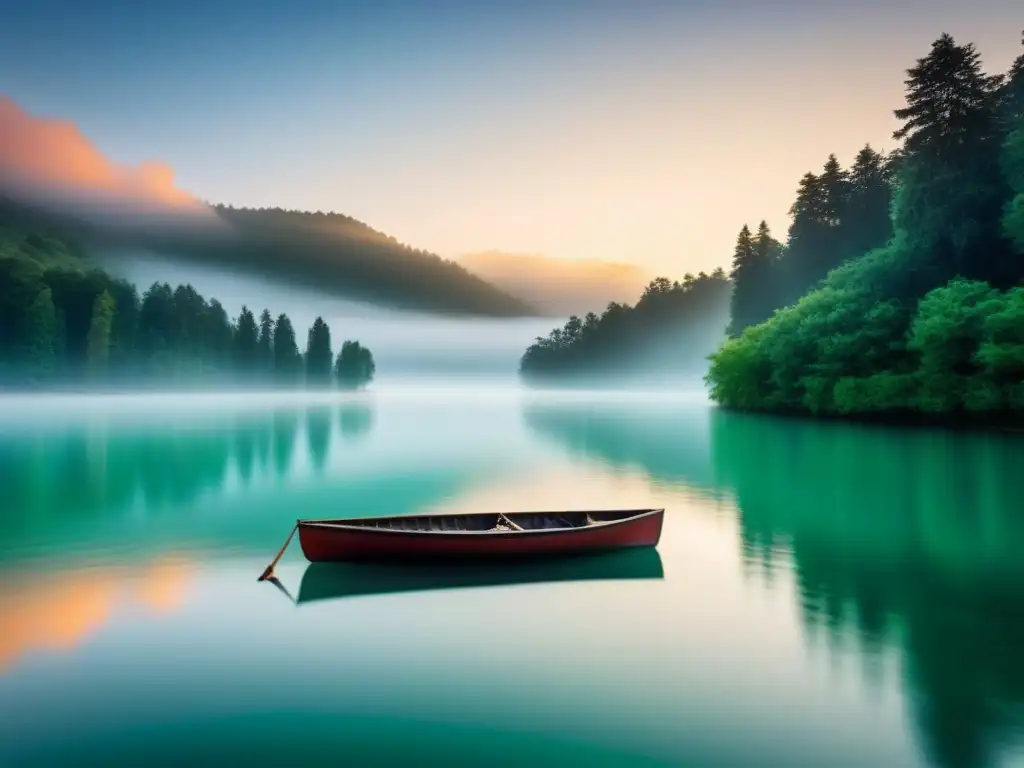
column 666, row 335
column 900, row 288
column 326, row 251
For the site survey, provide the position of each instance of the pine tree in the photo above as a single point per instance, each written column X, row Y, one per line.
column 1013, row 168
column 950, row 104
column 245, row 341
column 748, row 276
column 287, row 361
column 1012, row 92
column 319, row 355
column 265, row 344
column 100, row 327
column 806, row 241
column 952, row 189
column 41, row 333
column 833, row 185
column 867, row 222
column 156, row 318
column 218, row 336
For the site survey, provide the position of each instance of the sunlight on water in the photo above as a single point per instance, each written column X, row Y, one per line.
column 822, row 594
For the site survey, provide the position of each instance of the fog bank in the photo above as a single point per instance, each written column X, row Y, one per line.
column 404, row 344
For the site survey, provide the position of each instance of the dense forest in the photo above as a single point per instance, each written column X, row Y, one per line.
column 326, row 251
column 670, row 330
column 65, row 323
column 900, row 288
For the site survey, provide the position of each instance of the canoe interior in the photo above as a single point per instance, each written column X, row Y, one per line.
column 492, row 521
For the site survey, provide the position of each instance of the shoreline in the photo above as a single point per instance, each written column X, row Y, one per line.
column 1008, row 423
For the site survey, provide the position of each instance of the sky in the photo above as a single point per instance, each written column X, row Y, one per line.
column 638, row 131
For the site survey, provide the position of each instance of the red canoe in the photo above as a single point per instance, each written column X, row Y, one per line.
column 487, row 535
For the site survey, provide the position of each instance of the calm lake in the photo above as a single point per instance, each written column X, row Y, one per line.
column 823, row 595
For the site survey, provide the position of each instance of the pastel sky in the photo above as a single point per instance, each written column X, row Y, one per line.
column 631, row 131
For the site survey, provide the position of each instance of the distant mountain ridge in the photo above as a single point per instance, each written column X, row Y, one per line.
column 327, row 251
column 560, row 287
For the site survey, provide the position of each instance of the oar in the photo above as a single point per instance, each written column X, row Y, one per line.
column 270, row 568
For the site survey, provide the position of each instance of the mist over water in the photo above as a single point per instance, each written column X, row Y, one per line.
column 403, row 343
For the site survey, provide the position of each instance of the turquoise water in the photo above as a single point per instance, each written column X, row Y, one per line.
column 823, row 594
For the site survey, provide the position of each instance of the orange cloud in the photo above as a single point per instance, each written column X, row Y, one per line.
column 43, row 156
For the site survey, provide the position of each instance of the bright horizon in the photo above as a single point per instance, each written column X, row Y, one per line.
column 630, row 133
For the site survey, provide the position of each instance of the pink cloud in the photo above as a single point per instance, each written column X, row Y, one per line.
column 52, row 160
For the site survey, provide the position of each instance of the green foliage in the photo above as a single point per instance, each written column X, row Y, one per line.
column 41, row 327
column 61, row 320
column 103, row 310
column 672, row 328
column 754, row 278
column 319, row 355
column 1013, row 170
column 265, row 344
column 354, row 367
column 924, row 325
column 287, row 361
column 245, row 341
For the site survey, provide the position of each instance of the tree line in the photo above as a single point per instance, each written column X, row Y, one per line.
column 61, row 321
column 900, row 287
column 672, row 327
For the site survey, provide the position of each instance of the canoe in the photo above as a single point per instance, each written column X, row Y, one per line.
column 478, row 535
column 327, row 581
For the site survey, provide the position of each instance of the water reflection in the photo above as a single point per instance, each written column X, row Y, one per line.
column 669, row 445
column 56, row 611
column 355, row 420
column 97, row 467
column 96, row 470
column 333, row 580
column 902, row 539
column 319, row 421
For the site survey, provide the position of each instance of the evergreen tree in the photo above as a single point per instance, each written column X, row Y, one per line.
column 41, row 330
column 245, row 341
column 287, row 362
column 950, row 104
column 867, row 222
column 265, row 344
column 100, row 327
column 319, row 355
column 216, row 342
column 833, row 184
column 125, row 328
column 751, row 266
column 156, row 321
column 1012, row 92
column 951, row 185
column 1013, row 167
column 805, row 243
column 354, row 367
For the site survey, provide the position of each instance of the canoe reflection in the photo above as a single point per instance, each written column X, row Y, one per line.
column 323, row 581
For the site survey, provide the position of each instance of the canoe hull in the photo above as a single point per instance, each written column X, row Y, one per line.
column 339, row 543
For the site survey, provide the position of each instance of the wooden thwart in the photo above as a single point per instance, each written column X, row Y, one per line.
column 503, row 518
